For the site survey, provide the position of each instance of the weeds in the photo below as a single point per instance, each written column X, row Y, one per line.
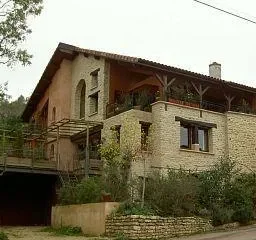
column 63, row 231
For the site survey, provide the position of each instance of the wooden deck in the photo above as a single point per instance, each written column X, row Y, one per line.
column 16, row 164
column 27, row 165
column 95, row 167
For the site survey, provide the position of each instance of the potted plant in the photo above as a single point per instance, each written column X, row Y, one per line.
column 142, row 100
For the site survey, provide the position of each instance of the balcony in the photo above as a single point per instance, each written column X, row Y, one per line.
column 95, row 164
column 26, row 160
column 244, row 107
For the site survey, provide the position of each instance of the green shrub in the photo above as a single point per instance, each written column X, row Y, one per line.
column 222, row 216
column 3, row 236
column 129, row 208
column 86, row 191
column 64, row 231
column 243, row 215
column 67, row 195
column 121, row 236
column 89, row 190
column 173, row 194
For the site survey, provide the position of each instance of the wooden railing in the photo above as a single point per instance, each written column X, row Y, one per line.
column 95, row 164
column 31, row 159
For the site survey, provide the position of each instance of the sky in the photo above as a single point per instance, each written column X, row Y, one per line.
column 180, row 33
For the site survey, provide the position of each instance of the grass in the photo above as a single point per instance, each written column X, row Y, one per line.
column 3, row 236
column 64, row 231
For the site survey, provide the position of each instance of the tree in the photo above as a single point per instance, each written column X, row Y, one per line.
column 14, row 29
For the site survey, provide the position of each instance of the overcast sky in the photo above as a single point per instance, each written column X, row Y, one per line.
column 180, row 33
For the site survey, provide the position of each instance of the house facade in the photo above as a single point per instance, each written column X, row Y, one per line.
column 191, row 119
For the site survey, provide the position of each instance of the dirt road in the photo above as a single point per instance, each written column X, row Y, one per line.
column 246, row 233
column 35, row 233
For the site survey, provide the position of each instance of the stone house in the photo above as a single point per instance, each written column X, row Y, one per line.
column 192, row 119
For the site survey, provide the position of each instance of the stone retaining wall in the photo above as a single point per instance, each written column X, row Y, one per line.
column 154, row 227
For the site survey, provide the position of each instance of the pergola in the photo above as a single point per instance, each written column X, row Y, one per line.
column 69, row 128
column 65, row 128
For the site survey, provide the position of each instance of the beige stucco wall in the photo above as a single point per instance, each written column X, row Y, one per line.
column 166, row 137
column 58, row 95
column 90, row 217
column 81, row 68
column 130, row 135
column 60, row 92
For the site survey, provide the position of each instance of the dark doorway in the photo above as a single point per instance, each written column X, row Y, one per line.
column 26, row 199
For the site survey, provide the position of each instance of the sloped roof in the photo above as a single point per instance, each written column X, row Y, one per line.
column 69, row 51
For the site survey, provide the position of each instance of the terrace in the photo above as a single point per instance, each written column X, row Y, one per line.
column 30, row 150
column 146, row 87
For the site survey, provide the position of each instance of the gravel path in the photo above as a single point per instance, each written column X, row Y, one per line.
column 35, row 233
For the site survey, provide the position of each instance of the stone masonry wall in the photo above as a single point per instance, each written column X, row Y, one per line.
column 241, row 139
column 81, row 69
column 166, row 137
column 130, row 135
column 154, row 227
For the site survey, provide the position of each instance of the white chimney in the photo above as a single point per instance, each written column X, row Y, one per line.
column 215, row 70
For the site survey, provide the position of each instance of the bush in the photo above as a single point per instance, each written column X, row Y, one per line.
column 243, row 215
column 67, row 195
column 174, row 194
column 128, row 208
column 89, row 190
column 86, row 191
column 3, row 236
column 221, row 216
column 64, row 231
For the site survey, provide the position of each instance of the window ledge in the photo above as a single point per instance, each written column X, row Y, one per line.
column 92, row 114
column 193, row 151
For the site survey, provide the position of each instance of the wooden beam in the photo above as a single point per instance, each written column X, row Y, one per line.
column 164, row 82
column 160, row 79
column 229, row 100
column 171, row 82
column 200, row 91
column 195, row 123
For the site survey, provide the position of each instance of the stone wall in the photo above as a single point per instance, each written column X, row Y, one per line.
column 130, row 135
column 166, row 137
column 154, row 227
column 82, row 66
column 241, row 130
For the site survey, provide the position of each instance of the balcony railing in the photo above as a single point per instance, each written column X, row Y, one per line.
column 25, row 158
column 114, row 109
column 95, row 164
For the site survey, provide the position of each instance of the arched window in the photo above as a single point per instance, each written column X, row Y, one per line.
column 52, row 152
column 82, row 102
column 54, row 114
column 80, row 97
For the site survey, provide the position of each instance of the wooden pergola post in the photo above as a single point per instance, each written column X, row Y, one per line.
column 58, row 147
column 200, row 92
column 163, row 79
column 229, row 100
column 87, row 154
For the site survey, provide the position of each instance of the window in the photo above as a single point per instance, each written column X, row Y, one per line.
column 94, row 81
column 116, row 132
column 80, row 99
column 185, row 137
column 52, row 152
column 192, row 135
column 203, row 139
column 144, row 135
column 54, row 114
column 94, row 103
column 82, row 102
